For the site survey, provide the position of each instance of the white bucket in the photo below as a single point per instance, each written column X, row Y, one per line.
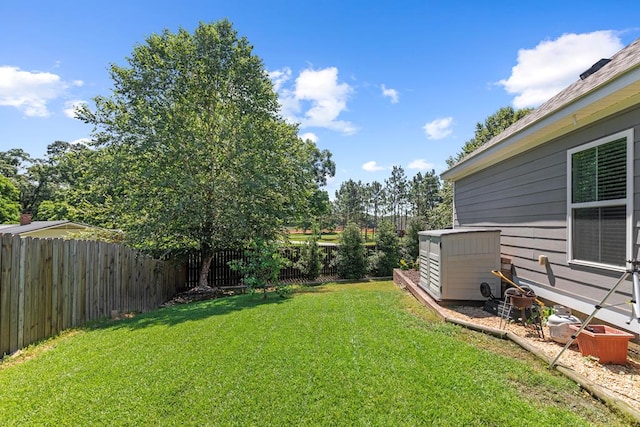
column 559, row 329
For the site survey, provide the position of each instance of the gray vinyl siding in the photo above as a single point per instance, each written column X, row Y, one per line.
column 526, row 197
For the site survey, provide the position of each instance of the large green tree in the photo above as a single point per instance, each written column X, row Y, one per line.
column 194, row 152
column 16, row 165
column 396, row 191
column 9, row 201
column 44, row 183
column 349, row 203
column 423, row 194
column 375, row 196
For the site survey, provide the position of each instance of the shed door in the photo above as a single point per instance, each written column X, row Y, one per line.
column 434, row 270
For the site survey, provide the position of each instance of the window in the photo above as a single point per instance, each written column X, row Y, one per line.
column 600, row 201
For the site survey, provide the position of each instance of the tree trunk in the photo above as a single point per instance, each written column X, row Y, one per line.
column 404, row 225
column 375, row 218
column 203, row 281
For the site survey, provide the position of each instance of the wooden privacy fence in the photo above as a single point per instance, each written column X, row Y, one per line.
column 48, row 285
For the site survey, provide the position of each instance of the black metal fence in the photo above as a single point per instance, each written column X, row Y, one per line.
column 220, row 274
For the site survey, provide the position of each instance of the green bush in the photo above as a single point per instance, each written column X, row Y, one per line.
column 311, row 259
column 409, row 244
column 387, row 254
column 409, row 265
column 262, row 267
column 351, row 260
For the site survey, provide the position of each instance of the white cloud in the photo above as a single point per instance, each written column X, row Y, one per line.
column 309, row 135
column 552, row 65
column 372, row 166
column 70, row 107
column 78, row 83
column 391, row 93
column 439, row 128
column 316, row 99
column 420, row 164
column 29, row 91
column 83, row 141
column 279, row 77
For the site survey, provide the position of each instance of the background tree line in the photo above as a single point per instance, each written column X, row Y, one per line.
column 398, row 199
column 70, row 183
column 423, row 200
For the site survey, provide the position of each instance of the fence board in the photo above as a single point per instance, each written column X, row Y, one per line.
column 47, row 282
column 75, row 280
column 99, row 284
column 86, row 275
column 29, row 291
column 56, row 287
column 5, row 294
column 67, row 285
column 15, row 293
column 91, row 267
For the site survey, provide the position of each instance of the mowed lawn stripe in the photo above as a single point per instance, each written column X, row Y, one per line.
column 348, row 354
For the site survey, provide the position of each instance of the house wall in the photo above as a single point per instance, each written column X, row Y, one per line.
column 526, row 197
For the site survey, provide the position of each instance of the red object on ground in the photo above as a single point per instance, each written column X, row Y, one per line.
column 608, row 344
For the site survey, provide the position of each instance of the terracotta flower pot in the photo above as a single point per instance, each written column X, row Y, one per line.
column 604, row 342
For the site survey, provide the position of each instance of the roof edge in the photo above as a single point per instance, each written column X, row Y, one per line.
column 509, row 146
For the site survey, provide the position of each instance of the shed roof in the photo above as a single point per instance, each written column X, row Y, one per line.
column 613, row 88
column 34, row 226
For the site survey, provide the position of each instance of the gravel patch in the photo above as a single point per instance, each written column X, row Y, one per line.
column 623, row 381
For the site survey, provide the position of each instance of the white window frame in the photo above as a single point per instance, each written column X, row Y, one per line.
column 629, row 135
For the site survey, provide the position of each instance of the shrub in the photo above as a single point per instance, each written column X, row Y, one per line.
column 375, row 261
column 311, row 259
column 387, row 255
column 262, row 266
column 409, row 244
column 351, row 260
column 409, row 265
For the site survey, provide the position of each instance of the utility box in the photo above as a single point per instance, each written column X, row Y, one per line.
column 453, row 263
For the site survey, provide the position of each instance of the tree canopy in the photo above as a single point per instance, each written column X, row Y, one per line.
column 194, row 153
column 492, row 126
column 9, row 201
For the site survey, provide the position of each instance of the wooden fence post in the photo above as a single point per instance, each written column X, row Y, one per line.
column 5, row 294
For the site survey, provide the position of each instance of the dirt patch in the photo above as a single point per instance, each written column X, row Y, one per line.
column 193, row 295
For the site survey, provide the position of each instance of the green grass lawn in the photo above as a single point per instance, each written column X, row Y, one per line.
column 349, row 354
column 326, row 238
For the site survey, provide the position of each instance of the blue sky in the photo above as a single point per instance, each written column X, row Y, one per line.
column 378, row 83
